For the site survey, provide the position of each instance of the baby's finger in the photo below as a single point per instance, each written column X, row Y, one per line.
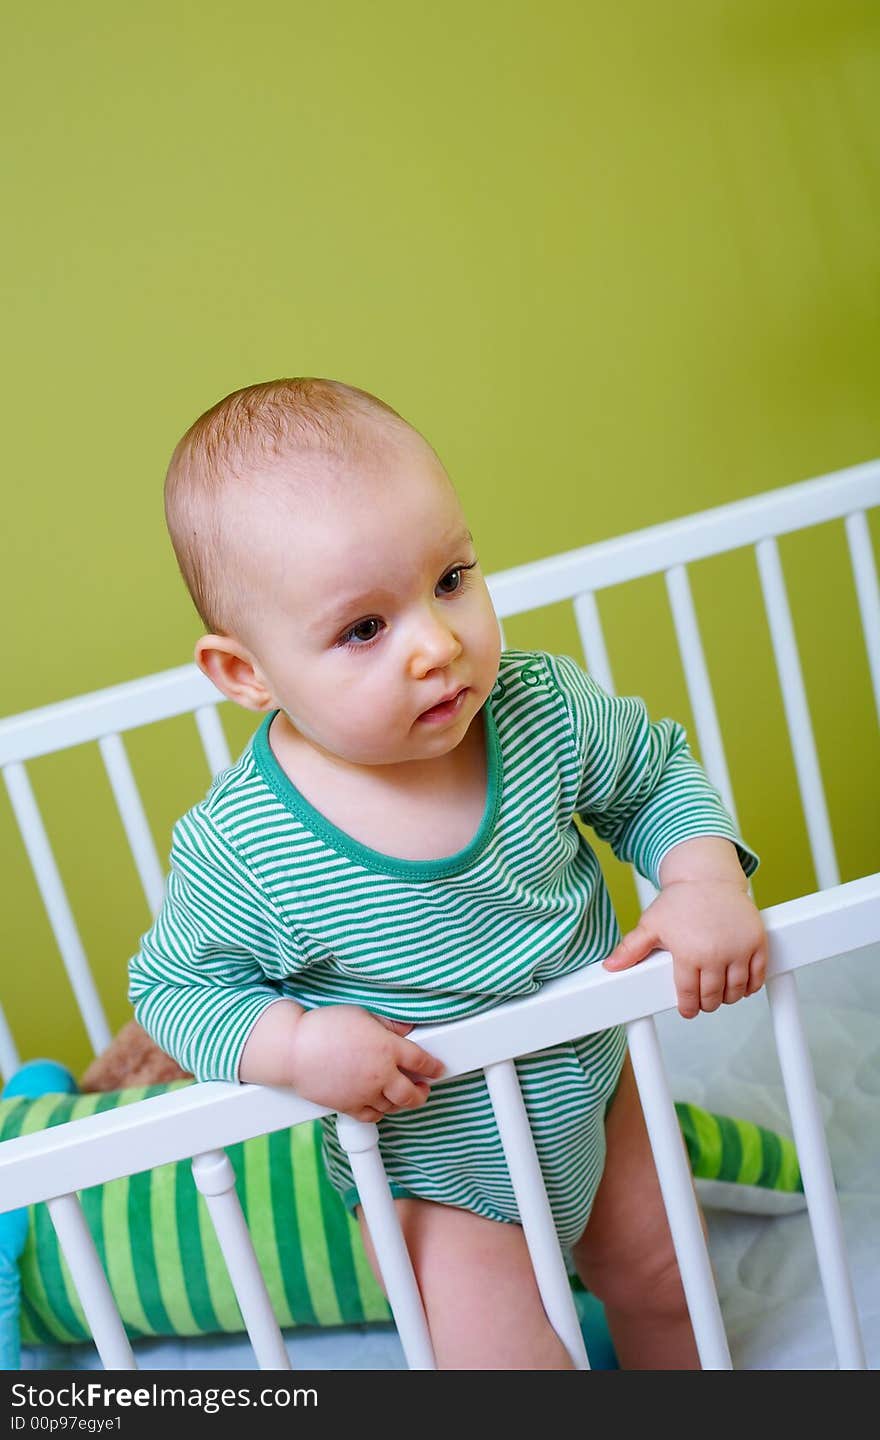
column 736, row 983
column 413, row 1075
column 711, row 989
column 412, row 1057
column 370, row 1114
column 757, row 970
column 632, row 948
column 687, row 988
column 404, row 1094
column 400, row 1027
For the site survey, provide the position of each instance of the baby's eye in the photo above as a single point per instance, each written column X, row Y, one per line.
column 356, row 639
column 458, row 575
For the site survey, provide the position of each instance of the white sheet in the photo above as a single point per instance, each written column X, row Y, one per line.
column 766, row 1270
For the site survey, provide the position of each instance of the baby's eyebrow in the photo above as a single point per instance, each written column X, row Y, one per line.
column 345, row 607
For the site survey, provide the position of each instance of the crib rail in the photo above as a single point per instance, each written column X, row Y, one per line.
column 104, row 712
column 153, row 1132
column 658, row 548
column 53, row 1165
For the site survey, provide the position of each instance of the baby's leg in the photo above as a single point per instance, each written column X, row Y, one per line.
column 478, row 1288
column 625, row 1255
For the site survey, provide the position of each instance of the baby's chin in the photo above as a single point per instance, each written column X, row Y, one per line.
column 424, row 742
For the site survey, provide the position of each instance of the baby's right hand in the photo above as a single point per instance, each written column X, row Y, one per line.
column 358, row 1063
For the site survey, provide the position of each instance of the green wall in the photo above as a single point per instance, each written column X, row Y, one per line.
column 617, row 262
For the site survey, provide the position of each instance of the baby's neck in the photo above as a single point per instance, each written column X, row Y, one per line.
column 301, row 759
column 428, row 814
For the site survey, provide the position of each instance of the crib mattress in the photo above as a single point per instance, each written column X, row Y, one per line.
column 768, row 1281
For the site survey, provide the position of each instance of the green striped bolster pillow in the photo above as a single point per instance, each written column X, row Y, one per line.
column 158, row 1247
column 738, row 1165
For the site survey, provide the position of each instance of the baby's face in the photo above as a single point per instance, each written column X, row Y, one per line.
column 376, row 610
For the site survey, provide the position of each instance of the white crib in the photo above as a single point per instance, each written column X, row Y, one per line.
column 200, row 1121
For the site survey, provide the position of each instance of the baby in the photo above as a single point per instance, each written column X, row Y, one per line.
column 396, row 845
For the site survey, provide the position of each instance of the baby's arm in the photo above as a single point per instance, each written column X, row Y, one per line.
column 706, row 919
column 644, row 793
column 339, row 1056
column 209, row 981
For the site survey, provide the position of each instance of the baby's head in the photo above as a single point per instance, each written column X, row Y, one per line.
column 327, row 554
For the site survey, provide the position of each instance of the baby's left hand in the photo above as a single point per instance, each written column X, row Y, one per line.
column 714, row 932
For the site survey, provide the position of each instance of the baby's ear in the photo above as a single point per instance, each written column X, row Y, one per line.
column 229, row 666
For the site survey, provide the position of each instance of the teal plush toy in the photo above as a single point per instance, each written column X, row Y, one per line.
column 37, row 1077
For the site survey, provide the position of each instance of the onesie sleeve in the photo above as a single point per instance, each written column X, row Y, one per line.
column 204, row 973
column 638, row 785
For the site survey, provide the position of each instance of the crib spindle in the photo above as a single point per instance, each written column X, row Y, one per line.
column 57, row 905
column 535, row 1214
column 794, row 699
column 598, row 664
column 812, row 1149
column 215, row 1178
column 674, row 1175
column 865, row 576
column 9, row 1057
column 134, row 820
column 699, row 686
column 96, row 1298
column 213, row 739
column 360, row 1140
column 586, row 612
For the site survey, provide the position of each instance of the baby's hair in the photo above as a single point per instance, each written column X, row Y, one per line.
column 244, row 436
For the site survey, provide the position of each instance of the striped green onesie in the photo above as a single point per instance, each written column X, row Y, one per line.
column 266, row 899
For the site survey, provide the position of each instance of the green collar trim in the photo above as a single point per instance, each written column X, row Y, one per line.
column 293, row 799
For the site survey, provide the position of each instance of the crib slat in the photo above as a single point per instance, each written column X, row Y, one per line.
column 699, row 686
column 674, row 1175
column 360, row 1140
column 794, row 698
column 57, row 905
column 213, row 739
column 595, row 651
column 586, row 612
column 78, row 1248
column 215, row 1178
column 534, row 1208
column 812, row 1149
column 131, row 811
column 865, row 575
column 9, row 1057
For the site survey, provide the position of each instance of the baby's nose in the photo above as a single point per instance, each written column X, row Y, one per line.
column 435, row 646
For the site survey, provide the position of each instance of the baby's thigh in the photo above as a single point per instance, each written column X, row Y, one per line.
column 478, row 1288
column 626, row 1251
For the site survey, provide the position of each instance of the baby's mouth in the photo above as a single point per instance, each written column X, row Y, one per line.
column 447, row 708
